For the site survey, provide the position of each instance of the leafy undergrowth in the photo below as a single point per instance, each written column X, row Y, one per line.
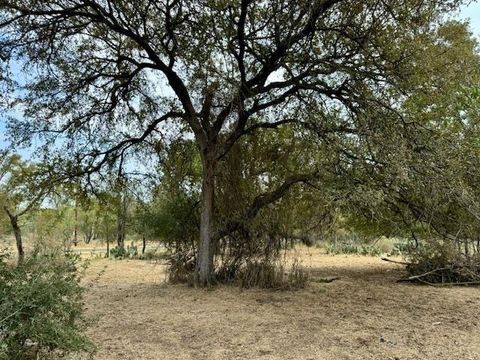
column 41, row 308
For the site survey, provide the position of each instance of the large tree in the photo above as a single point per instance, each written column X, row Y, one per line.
column 102, row 78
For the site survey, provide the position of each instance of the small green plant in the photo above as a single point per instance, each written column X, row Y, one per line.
column 41, row 307
column 130, row 252
column 118, row 252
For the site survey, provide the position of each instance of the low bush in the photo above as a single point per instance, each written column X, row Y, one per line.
column 130, row 252
column 370, row 250
column 259, row 273
column 366, row 250
column 41, row 307
column 268, row 275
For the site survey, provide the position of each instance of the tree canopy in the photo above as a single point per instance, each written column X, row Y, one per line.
column 340, row 91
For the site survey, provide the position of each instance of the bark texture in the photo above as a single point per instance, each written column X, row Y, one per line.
column 205, row 256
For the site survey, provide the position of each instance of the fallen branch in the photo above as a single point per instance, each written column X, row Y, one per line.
column 445, row 284
column 325, row 280
column 466, row 283
column 424, row 278
column 418, row 277
column 395, row 261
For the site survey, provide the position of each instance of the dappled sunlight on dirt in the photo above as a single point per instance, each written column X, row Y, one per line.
column 364, row 314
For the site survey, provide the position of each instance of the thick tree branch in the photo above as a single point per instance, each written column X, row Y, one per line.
column 262, row 201
column 100, row 15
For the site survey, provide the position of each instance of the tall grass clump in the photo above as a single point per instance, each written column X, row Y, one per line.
column 271, row 275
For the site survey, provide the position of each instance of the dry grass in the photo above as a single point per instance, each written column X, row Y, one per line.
column 363, row 315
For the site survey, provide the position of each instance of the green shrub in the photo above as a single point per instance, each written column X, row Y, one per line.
column 370, row 250
column 118, row 252
column 342, row 249
column 41, row 307
column 366, row 250
column 130, row 252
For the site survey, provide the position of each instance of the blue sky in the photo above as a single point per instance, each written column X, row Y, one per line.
column 470, row 12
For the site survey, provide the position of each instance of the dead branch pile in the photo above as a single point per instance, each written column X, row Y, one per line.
column 181, row 266
column 465, row 272
column 440, row 263
column 434, row 272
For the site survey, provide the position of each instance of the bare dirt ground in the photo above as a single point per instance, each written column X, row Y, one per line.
column 363, row 315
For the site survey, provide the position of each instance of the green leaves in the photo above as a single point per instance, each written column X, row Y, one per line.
column 42, row 305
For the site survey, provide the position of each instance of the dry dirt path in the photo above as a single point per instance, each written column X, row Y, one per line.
column 363, row 315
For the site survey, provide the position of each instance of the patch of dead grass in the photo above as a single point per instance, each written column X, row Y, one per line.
column 363, row 315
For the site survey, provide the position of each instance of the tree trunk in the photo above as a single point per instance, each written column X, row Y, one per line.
column 18, row 239
column 18, row 235
column 121, row 219
column 204, row 269
column 144, row 244
column 75, row 225
column 108, row 243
